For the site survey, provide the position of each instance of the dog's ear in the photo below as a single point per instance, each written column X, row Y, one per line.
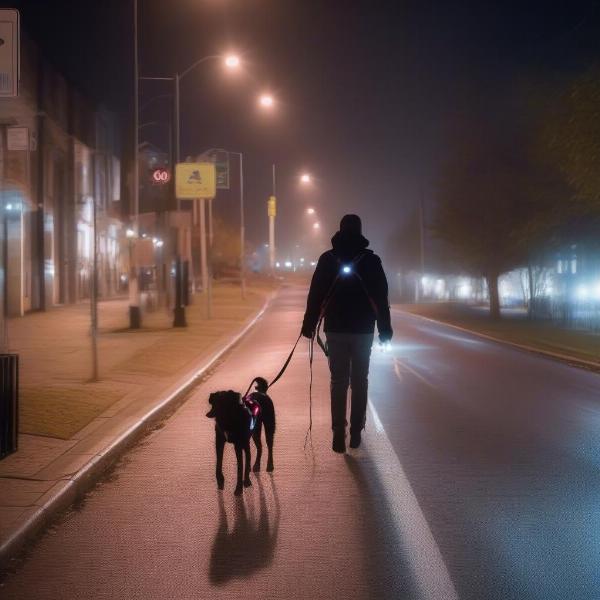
column 211, row 413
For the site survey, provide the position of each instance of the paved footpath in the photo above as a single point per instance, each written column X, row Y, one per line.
column 72, row 428
column 322, row 525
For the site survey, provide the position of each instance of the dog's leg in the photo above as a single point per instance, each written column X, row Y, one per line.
column 256, row 436
column 239, row 488
column 247, row 482
column 270, row 435
column 220, row 446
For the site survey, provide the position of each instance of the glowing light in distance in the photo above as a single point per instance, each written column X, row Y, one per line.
column 464, row 290
column 301, row 260
column 130, row 233
column 313, row 263
column 232, row 61
column 310, row 211
column 582, row 292
column 277, row 264
column 288, row 263
column 266, row 101
column 316, row 225
column 305, row 178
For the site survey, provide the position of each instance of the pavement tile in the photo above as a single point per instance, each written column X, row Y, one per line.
column 64, row 466
column 21, row 492
column 34, row 453
column 9, row 515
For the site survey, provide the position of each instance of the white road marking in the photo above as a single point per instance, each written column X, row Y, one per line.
column 427, row 566
column 398, row 365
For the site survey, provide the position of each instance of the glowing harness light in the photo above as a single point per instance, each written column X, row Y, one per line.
column 346, row 269
column 253, row 409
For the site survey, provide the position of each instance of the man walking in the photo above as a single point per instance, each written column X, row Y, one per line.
column 350, row 291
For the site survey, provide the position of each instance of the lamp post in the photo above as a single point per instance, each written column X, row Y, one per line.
column 135, row 320
column 230, row 61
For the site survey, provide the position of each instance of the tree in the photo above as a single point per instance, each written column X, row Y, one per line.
column 573, row 137
column 484, row 209
column 226, row 248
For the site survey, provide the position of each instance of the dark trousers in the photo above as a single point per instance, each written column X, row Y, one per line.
column 349, row 356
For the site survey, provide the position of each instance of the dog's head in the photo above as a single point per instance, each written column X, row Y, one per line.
column 223, row 403
column 261, row 385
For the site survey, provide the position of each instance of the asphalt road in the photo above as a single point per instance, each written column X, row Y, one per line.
column 478, row 478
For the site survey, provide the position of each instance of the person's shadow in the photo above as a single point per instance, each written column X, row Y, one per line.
column 250, row 544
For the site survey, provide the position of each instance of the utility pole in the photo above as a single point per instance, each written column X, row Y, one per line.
column 94, row 282
column 203, row 255
column 421, row 246
column 179, row 319
column 242, row 230
column 135, row 318
column 271, row 213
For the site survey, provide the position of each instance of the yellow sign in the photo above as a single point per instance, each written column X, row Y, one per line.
column 271, row 206
column 195, row 180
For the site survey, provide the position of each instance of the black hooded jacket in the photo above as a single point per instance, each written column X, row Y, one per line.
column 358, row 298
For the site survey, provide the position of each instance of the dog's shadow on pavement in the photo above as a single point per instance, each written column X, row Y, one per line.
column 249, row 544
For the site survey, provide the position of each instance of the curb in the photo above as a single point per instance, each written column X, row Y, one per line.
column 86, row 477
column 565, row 358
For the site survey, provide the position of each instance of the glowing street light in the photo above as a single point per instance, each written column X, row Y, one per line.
column 316, row 225
column 305, row 178
column 266, row 101
column 232, row 61
column 310, row 211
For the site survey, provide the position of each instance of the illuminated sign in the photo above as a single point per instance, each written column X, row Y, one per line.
column 195, row 180
column 160, row 176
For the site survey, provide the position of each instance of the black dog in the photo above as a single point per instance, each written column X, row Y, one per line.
column 237, row 420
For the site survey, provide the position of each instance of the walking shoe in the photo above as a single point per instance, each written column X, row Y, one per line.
column 354, row 439
column 339, row 441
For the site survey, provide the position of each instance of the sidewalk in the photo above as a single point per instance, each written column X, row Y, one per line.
column 571, row 345
column 70, row 425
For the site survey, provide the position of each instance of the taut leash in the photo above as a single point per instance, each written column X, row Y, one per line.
column 281, row 371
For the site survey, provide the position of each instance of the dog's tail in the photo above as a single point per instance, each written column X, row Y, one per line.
column 261, row 385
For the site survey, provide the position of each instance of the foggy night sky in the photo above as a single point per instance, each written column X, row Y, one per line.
column 369, row 93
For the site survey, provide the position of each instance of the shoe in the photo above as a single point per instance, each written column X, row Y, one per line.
column 354, row 439
column 339, row 441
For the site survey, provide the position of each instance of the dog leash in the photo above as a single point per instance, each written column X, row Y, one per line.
column 281, row 371
column 308, row 435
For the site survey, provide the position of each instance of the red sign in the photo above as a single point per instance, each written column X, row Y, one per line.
column 160, row 176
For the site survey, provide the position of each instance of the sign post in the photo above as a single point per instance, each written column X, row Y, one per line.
column 271, row 212
column 198, row 182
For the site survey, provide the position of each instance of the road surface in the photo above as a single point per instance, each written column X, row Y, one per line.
column 478, row 478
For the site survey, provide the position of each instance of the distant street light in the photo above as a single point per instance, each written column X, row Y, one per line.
column 266, row 101
column 310, row 211
column 316, row 225
column 232, row 61
column 305, row 178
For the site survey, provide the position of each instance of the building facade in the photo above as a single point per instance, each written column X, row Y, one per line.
column 59, row 157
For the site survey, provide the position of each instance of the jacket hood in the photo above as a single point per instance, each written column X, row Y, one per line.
column 348, row 244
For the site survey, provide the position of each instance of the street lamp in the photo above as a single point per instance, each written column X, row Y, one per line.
column 316, row 225
column 305, row 178
column 231, row 62
column 266, row 101
column 310, row 211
